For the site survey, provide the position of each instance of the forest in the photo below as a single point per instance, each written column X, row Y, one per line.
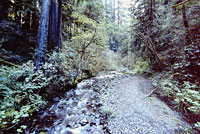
column 66, row 66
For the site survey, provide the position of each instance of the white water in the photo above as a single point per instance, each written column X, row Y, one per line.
column 76, row 113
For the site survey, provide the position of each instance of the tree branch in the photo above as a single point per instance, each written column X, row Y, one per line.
column 178, row 4
column 8, row 63
column 85, row 47
column 91, row 40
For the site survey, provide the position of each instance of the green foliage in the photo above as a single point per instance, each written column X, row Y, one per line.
column 197, row 125
column 19, row 93
column 186, row 96
column 136, row 65
column 72, row 64
column 93, row 9
column 102, row 36
column 95, row 56
column 92, row 34
column 110, row 113
column 23, row 91
column 83, row 20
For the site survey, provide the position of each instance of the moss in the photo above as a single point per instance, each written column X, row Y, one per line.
column 43, row 132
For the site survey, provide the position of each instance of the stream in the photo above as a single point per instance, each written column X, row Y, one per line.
column 79, row 111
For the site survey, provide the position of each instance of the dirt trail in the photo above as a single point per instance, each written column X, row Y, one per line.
column 110, row 103
column 132, row 112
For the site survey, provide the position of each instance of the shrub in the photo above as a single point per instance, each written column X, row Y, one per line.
column 185, row 96
column 100, row 59
column 136, row 65
column 19, row 93
column 94, row 59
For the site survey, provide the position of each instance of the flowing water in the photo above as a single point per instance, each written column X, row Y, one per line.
column 78, row 112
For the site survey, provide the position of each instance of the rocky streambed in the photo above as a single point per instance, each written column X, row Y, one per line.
column 78, row 111
column 110, row 103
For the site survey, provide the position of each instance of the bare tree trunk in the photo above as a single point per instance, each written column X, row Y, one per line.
column 113, row 19
column 118, row 12
column 151, row 10
column 34, row 23
column 4, row 10
column 43, row 34
column 27, row 26
column 20, row 19
column 186, row 24
column 59, row 33
column 53, row 26
column 18, row 16
column 111, row 11
column 106, row 10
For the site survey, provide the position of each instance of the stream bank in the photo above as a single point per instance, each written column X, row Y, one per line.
column 110, row 103
column 78, row 111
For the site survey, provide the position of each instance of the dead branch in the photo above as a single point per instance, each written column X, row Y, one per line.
column 152, row 91
column 8, row 63
column 178, row 4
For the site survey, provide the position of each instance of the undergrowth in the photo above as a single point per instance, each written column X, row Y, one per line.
column 20, row 94
column 184, row 96
column 135, row 64
column 24, row 91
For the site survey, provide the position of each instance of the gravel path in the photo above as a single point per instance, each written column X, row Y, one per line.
column 110, row 103
column 132, row 112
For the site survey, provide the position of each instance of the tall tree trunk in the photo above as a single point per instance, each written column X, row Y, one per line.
column 151, row 17
column 19, row 11
column 55, row 24
column 151, row 10
column 59, row 33
column 186, row 24
column 106, row 10
column 118, row 12
column 20, row 19
column 4, row 10
column 34, row 22
column 43, row 34
column 113, row 11
column 27, row 26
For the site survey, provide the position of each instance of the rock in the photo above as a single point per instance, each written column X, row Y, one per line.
column 56, row 99
column 84, row 122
